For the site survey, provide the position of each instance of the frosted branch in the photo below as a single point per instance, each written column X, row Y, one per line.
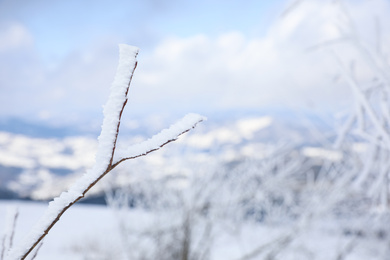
column 107, row 142
column 344, row 131
column 10, row 226
column 364, row 103
column 159, row 140
column 104, row 157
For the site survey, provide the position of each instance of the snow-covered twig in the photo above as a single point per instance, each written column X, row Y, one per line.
column 277, row 243
column 352, row 243
column 2, row 248
column 364, row 102
column 159, row 140
column 10, row 226
column 105, row 155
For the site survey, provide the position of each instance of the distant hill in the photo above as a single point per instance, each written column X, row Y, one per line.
column 35, row 129
column 38, row 161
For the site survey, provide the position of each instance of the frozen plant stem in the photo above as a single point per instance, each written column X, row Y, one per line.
column 105, row 161
column 10, row 226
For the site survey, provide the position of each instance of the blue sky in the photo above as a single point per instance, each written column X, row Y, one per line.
column 62, row 26
column 58, row 58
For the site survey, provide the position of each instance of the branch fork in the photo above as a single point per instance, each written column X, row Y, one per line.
column 106, row 150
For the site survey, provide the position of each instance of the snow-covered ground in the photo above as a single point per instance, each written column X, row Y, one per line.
column 83, row 225
column 92, row 232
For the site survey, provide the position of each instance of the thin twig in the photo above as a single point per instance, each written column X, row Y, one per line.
column 11, row 238
column 2, row 248
column 9, row 235
column 262, row 248
column 36, row 251
column 347, row 249
column 155, row 148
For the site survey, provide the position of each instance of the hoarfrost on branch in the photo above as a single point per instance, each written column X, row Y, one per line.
column 105, row 154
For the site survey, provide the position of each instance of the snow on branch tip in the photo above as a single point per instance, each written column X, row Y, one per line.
column 165, row 136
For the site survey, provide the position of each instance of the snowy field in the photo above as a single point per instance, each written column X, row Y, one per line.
column 92, row 232
column 84, row 225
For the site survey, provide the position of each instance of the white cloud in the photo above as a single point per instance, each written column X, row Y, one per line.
column 14, row 36
column 231, row 71
column 200, row 73
column 235, row 71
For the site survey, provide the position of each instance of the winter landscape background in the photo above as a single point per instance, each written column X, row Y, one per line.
column 292, row 163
